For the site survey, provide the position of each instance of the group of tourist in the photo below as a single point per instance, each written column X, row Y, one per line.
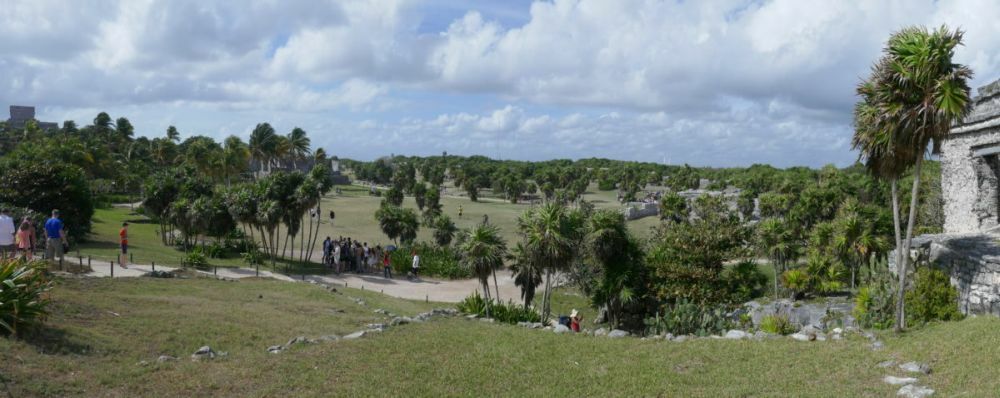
column 352, row 255
column 21, row 241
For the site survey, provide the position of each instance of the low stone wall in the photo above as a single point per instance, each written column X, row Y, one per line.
column 971, row 260
column 637, row 210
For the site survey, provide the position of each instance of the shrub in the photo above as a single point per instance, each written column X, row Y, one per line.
column 509, row 312
column 932, row 298
column 777, row 324
column 43, row 186
column 796, row 280
column 195, row 258
column 744, row 281
column 214, row 250
column 253, row 256
column 875, row 304
column 434, row 261
column 22, row 295
column 686, row 317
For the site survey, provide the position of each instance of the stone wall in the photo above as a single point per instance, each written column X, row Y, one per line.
column 968, row 178
column 637, row 210
column 971, row 260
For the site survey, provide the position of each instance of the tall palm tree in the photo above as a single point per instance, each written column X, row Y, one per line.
column 617, row 255
column 235, row 157
column 482, row 249
column 776, row 240
column 526, row 272
column 914, row 95
column 173, row 134
column 263, row 141
column 549, row 238
column 298, row 144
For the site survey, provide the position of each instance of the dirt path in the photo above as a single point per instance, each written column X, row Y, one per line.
column 451, row 291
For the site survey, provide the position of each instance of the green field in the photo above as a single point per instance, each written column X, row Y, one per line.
column 101, row 330
column 355, row 218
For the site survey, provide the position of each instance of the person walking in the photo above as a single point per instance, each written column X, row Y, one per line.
column 336, row 256
column 7, row 232
column 32, row 234
column 123, row 239
column 416, row 263
column 55, row 234
column 24, row 239
column 327, row 251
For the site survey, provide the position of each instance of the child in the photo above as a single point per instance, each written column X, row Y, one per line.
column 123, row 235
column 387, row 265
column 574, row 320
column 24, row 240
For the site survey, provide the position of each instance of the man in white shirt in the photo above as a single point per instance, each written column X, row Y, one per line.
column 7, row 232
column 416, row 264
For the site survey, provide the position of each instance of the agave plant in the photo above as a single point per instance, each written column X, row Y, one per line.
column 22, row 295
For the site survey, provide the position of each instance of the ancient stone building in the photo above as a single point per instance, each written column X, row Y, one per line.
column 20, row 115
column 970, row 167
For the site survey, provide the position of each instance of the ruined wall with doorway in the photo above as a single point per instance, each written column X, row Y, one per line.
column 970, row 167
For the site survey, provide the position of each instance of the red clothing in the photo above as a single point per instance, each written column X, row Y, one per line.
column 123, row 234
column 574, row 324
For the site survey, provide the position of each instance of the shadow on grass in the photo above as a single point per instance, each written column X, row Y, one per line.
column 51, row 340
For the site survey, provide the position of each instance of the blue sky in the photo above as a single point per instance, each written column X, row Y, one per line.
column 717, row 83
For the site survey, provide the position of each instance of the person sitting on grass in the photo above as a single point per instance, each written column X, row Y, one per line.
column 574, row 320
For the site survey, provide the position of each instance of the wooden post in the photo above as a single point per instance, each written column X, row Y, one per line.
column 112, row 268
column 131, row 260
column 154, row 265
column 215, row 270
column 427, row 298
column 88, row 262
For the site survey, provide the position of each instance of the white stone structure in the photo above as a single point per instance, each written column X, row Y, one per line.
column 970, row 167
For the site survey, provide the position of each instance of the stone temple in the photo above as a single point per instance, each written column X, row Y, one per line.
column 969, row 248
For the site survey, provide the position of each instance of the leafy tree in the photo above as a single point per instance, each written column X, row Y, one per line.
column 394, row 196
column 444, row 230
column 420, row 195
column 673, row 207
column 623, row 275
column 527, row 273
column 777, row 241
column 551, row 236
column 397, row 222
column 44, row 186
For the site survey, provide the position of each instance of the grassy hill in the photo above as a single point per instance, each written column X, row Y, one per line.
column 101, row 330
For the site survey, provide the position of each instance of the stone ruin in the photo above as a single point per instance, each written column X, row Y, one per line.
column 969, row 248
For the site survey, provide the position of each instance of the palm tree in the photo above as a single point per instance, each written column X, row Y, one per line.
column 298, row 144
column 776, row 241
column 172, row 134
column 914, row 95
column 527, row 273
column 482, row 249
column 549, row 238
column 235, row 157
column 263, row 141
column 617, row 255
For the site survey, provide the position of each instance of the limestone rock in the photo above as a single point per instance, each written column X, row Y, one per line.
column 356, row 335
column 165, row 358
column 205, row 352
column 914, row 367
column 886, row 364
column 736, row 335
column 914, row 391
column 617, row 333
column 800, row 336
column 275, row 349
column 899, row 381
column 559, row 329
column 601, row 332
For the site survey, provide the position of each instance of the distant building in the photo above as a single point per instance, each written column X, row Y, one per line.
column 261, row 169
column 20, row 115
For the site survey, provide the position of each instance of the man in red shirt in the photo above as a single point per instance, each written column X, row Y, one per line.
column 123, row 236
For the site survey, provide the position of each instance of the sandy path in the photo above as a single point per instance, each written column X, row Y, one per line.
column 451, row 291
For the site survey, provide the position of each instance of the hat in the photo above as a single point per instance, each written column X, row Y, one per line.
column 573, row 314
column 125, row 223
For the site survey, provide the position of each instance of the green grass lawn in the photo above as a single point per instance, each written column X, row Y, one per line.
column 101, row 329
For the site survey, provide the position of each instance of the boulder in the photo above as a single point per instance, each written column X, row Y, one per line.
column 275, row 349
column 899, row 381
column 601, row 332
column 668, row 336
column 617, row 333
column 559, row 329
column 356, row 335
column 914, row 367
column 165, row 358
column 736, row 335
column 205, row 352
column 680, row 339
column 886, row 364
column 376, row 326
column 399, row 320
column 800, row 336
column 914, row 391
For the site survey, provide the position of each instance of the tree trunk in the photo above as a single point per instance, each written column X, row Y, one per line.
column 486, row 294
column 284, row 248
column 545, row 295
column 302, row 242
column 319, row 210
column 904, row 265
column 495, row 284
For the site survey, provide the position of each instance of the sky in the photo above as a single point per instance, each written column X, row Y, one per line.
column 708, row 83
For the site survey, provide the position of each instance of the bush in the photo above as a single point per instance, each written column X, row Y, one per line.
column 43, row 186
column 195, row 258
column 777, row 324
column 932, row 298
column 509, row 312
column 434, row 261
column 214, row 250
column 745, row 282
column 687, row 317
column 796, row 280
column 875, row 304
column 22, row 295
column 254, row 256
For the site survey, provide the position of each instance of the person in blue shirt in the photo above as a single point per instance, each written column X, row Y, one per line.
column 55, row 234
